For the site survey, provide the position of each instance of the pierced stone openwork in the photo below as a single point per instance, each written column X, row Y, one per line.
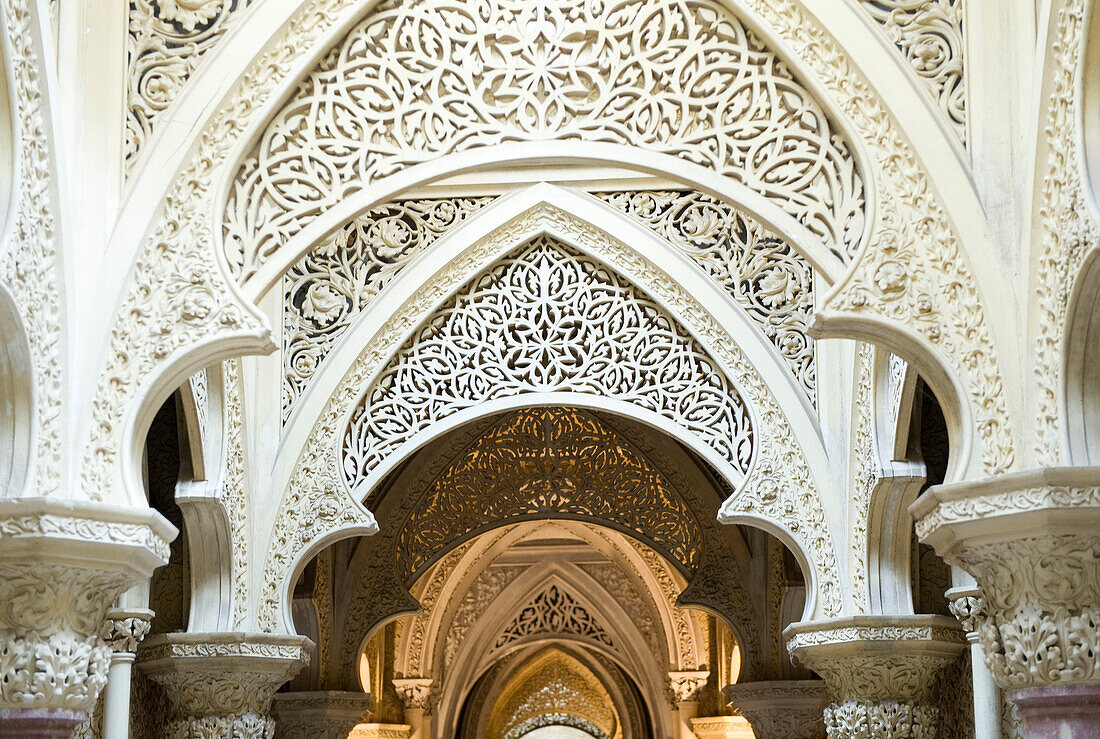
column 414, row 81
column 553, row 611
column 546, row 319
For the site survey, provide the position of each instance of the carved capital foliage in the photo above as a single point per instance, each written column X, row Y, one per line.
column 124, row 630
column 879, row 671
column 788, row 709
column 414, row 692
column 319, row 715
column 61, row 568
column 222, row 684
column 1032, row 542
column 685, row 686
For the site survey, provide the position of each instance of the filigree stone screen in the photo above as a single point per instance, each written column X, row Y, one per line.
column 414, row 81
column 553, row 611
column 546, row 319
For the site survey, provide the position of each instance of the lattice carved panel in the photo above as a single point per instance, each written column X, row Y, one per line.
column 546, row 319
column 554, row 611
column 762, row 273
column 414, row 81
column 166, row 43
column 329, row 287
column 929, row 34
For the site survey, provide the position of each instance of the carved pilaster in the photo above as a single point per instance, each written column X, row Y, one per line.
column 1032, row 542
column 62, row 565
column 222, row 684
column 781, row 709
column 878, row 670
column 319, row 714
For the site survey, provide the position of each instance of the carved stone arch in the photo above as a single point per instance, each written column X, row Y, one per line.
column 260, row 216
column 1082, row 384
column 806, row 529
column 16, row 409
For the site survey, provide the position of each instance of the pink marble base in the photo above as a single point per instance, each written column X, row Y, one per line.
column 55, row 723
column 1059, row 711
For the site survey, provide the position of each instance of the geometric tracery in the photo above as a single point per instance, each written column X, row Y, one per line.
column 553, row 611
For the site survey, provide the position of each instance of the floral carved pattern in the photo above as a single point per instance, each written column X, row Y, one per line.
column 553, row 611
column 166, row 43
column 763, row 274
column 929, row 34
column 329, row 287
column 414, row 81
column 546, row 319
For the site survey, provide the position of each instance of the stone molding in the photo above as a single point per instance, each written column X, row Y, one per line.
column 1031, row 540
column 125, row 629
column 381, row 731
column 62, row 565
column 319, row 714
column 685, row 685
column 222, row 684
column 781, row 709
column 879, row 671
column 721, row 727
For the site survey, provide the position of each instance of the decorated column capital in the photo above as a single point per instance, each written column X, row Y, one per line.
column 781, row 709
column 320, row 714
column 124, row 629
column 685, row 685
column 1032, row 542
column 63, row 563
column 414, row 692
column 878, row 670
column 222, row 684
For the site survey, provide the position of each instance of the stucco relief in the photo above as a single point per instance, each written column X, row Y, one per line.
column 1070, row 233
column 28, row 261
column 653, row 73
column 785, row 492
column 862, row 477
column 929, row 34
column 167, row 41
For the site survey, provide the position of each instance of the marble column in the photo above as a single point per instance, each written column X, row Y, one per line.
column 781, row 709
column 1031, row 540
column 963, row 603
column 221, row 684
column 321, row 714
column 123, row 632
column 878, row 670
column 63, row 564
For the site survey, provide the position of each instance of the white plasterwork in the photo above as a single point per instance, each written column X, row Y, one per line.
column 782, row 495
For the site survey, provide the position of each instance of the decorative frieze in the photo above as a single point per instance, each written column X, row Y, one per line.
column 222, row 684
column 781, row 709
column 879, row 671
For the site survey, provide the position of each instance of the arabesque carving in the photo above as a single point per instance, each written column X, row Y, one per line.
column 781, row 485
column 652, row 73
column 330, row 286
column 771, row 281
column 546, row 318
column 29, row 267
column 929, row 34
column 863, row 476
column 553, row 611
column 167, row 41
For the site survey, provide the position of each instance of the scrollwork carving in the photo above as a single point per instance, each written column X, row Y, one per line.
column 929, row 34
column 546, row 318
column 533, row 70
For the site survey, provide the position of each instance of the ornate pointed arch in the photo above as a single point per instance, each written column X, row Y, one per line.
column 782, row 498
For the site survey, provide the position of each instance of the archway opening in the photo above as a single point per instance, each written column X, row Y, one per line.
column 539, row 530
